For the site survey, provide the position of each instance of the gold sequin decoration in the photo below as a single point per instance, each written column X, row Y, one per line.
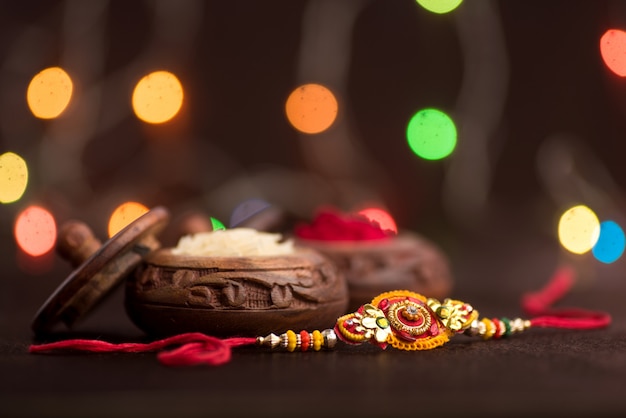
column 421, row 311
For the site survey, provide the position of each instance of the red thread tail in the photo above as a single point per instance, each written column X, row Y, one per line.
column 539, row 304
column 192, row 348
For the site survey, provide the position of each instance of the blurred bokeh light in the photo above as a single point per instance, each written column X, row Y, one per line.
column 123, row 215
column 431, row 134
column 610, row 245
column 311, row 108
column 382, row 217
column 579, row 229
column 216, row 224
column 613, row 51
column 246, row 209
column 439, row 6
column 49, row 93
column 157, row 97
column 35, row 230
column 13, row 177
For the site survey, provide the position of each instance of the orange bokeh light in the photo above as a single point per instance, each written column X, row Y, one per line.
column 35, row 230
column 382, row 217
column 157, row 97
column 49, row 93
column 123, row 215
column 311, row 108
column 613, row 51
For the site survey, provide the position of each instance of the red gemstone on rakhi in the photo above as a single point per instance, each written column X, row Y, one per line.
column 383, row 305
column 350, row 324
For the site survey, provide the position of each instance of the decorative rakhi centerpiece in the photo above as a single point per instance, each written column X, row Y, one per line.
column 406, row 320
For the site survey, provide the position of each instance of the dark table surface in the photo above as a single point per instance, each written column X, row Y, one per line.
column 542, row 372
column 403, row 59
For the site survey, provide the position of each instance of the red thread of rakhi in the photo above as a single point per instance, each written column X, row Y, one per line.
column 197, row 348
column 193, row 348
column 538, row 305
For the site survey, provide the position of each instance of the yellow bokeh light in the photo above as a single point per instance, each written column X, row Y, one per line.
column 13, row 177
column 579, row 229
column 157, row 97
column 123, row 215
column 35, row 231
column 439, row 6
column 311, row 108
column 49, row 93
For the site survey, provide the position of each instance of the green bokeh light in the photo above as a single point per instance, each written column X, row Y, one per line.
column 431, row 134
column 216, row 224
column 439, row 6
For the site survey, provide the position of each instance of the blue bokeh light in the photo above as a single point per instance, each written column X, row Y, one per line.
column 610, row 245
column 246, row 210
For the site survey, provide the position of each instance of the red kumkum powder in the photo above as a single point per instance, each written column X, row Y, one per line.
column 329, row 225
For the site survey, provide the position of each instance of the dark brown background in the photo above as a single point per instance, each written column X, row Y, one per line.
column 238, row 68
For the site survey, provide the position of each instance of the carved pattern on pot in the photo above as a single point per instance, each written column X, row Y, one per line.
column 234, row 293
column 199, row 296
column 281, row 295
column 268, row 289
column 235, row 296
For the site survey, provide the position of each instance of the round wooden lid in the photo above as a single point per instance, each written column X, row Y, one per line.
column 99, row 274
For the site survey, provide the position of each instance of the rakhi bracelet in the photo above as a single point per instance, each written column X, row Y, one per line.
column 409, row 321
column 403, row 319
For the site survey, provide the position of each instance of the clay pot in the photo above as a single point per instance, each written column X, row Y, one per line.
column 407, row 261
column 227, row 296
column 170, row 294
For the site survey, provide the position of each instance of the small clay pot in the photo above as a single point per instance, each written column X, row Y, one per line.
column 168, row 293
column 228, row 296
column 407, row 261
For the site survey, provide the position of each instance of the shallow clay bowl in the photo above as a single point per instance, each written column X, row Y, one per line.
column 407, row 261
column 235, row 296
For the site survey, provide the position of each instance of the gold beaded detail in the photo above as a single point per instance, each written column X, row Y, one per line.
column 291, row 341
column 497, row 328
column 419, row 344
column 490, row 328
column 318, row 340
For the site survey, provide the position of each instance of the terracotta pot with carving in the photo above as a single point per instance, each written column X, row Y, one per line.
column 374, row 260
column 226, row 296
